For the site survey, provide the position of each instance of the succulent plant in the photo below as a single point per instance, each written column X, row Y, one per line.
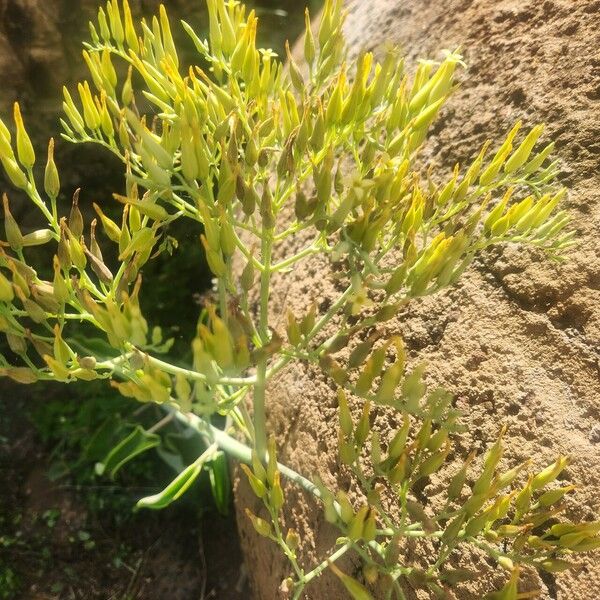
column 255, row 154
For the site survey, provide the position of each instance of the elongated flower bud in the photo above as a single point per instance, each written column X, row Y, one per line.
column 25, row 150
column 293, row 329
column 247, row 277
column 521, row 154
column 16, row 343
column 260, row 525
column 295, row 74
column 91, row 115
column 111, row 229
column 309, row 41
column 14, row 172
column 214, row 259
column 100, row 269
column 6, row 289
column 51, row 179
column 346, row 424
column 38, row 237
column 553, row 496
column 258, row 487
column 61, row 290
column 550, row 473
column 75, row 221
column 13, row 233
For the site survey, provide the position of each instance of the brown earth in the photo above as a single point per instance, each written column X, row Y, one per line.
column 518, row 340
column 59, row 540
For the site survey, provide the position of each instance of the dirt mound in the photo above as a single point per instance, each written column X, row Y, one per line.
column 518, row 340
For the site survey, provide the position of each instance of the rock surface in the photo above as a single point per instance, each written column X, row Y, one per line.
column 518, row 340
column 40, row 45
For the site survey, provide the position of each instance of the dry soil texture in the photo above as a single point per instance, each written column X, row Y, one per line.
column 518, row 340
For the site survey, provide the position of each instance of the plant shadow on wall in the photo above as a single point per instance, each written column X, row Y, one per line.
column 256, row 158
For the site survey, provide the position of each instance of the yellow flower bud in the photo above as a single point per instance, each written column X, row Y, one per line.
column 521, row 154
column 345, row 417
column 61, row 290
column 256, row 484
column 6, row 290
column 51, row 179
column 555, row 565
column 309, row 41
column 25, row 150
column 13, row 232
column 111, row 229
column 276, row 497
column 550, row 473
column 536, row 162
column 553, row 496
column 75, row 249
column 114, row 17
column 189, row 163
column 129, row 29
column 295, row 75
column 426, row 116
column 14, row 172
column 38, row 237
column 59, row 370
column 523, row 498
column 335, row 103
column 260, row 525
column 497, row 212
column 247, row 277
column 167, row 37
column 91, row 115
column 108, row 70
column 292, row 329
column 292, row 539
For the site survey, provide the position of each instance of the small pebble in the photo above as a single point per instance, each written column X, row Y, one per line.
column 595, row 434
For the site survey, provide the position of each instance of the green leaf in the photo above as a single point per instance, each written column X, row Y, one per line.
column 357, row 590
column 138, row 441
column 175, row 489
column 94, row 346
column 187, row 443
column 103, row 439
column 170, row 458
column 220, row 484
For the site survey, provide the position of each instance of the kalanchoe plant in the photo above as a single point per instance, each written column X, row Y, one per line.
column 256, row 154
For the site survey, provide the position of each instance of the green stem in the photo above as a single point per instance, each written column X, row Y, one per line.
column 265, row 284
column 288, row 262
column 290, row 554
column 194, row 375
column 259, row 392
column 260, row 416
column 237, row 449
column 322, row 566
